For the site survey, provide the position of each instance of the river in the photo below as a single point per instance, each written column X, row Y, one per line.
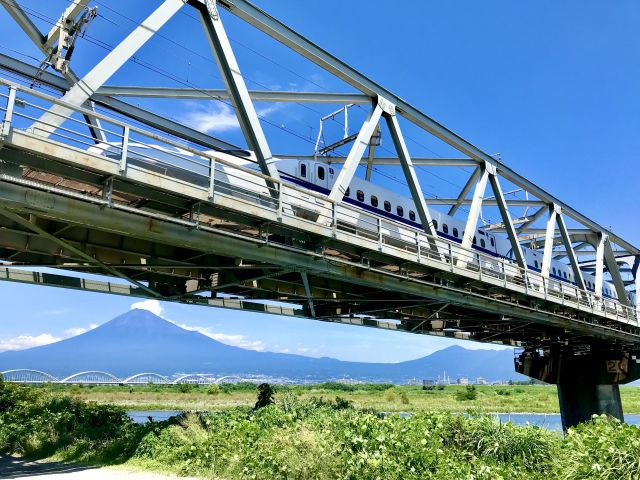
column 550, row 421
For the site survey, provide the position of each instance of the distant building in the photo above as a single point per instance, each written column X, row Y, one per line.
column 463, row 381
column 428, row 381
column 480, row 381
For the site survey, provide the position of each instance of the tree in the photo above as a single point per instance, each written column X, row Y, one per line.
column 265, row 396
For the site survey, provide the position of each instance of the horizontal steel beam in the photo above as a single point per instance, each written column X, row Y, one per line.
column 418, row 161
column 222, row 94
column 491, row 201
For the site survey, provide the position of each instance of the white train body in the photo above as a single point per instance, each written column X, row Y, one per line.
column 371, row 201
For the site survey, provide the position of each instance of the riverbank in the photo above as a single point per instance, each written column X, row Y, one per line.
column 301, row 439
column 388, row 398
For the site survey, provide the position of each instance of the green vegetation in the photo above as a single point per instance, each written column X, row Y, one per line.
column 315, row 438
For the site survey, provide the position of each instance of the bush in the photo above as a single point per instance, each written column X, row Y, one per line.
column 185, row 387
column 390, row 395
column 601, row 448
column 404, row 398
column 213, row 389
column 316, row 438
column 469, row 393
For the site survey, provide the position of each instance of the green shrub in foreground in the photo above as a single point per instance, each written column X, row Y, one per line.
column 314, row 439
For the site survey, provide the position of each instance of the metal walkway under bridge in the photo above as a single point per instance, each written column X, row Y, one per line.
column 92, row 183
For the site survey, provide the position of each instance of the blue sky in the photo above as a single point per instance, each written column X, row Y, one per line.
column 551, row 86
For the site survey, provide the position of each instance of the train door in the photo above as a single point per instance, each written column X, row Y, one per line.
column 303, row 171
column 322, row 179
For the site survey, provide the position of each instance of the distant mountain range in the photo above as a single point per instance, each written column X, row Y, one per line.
column 139, row 341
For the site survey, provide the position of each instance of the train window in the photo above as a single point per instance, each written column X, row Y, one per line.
column 492, row 242
column 554, row 271
column 387, row 206
column 400, row 211
column 455, row 232
column 483, row 243
column 412, row 215
column 435, row 224
column 347, row 192
column 360, row 195
column 535, row 263
column 445, row 228
column 564, row 274
column 475, row 240
column 331, row 171
column 374, row 200
column 303, row 170
column 321, row 173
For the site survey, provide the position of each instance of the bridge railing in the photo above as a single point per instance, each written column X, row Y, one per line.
column 143, row 156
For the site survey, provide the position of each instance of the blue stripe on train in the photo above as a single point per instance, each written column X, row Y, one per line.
column 383, row 213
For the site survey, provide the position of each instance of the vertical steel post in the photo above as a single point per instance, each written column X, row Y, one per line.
column 599, row 265
column 124, row 149
column 8, row 114
column 212, row 179
column 548, row 242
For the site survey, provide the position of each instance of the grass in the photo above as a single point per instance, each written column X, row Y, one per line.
column 299, row 438
column 512, row 399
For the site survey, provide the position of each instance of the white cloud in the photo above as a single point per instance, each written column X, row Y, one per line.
column 151, row 305
column 72, row 332
column 215, row 117
column 211, row 118
column 26, row 341
column 233, row 339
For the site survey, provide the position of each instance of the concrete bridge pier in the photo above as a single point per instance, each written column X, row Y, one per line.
column 587, row 376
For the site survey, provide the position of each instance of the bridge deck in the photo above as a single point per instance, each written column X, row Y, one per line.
column 194, row 222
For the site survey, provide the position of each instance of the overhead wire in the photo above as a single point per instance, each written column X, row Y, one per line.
column 160, row 71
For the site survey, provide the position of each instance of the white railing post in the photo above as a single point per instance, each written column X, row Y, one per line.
column 334, row 219
column 418, row 247
column 124, row 149
column 8, row 114
column 212, row 179
column 279, row 213
column 379, row 224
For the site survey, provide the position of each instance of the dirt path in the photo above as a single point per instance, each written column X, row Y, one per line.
column 17, row 468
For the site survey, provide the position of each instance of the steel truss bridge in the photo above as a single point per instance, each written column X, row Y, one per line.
column 172, row 218
column 33, row 377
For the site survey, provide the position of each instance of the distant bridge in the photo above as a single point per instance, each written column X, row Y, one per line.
column 95, row 377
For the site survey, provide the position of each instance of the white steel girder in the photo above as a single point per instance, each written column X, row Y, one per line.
column 599, row 265
column 506, row 217
column 635, row 271
column 549, row 241
column 474, row 211
column 614, row 271
column 411, row 177
column 79, row 93
column 360, row 144
column 566, row 239
column 264, row 22
column 238, row 92
column 465, row 191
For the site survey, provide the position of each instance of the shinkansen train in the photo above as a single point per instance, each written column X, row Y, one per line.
column 367, row 197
